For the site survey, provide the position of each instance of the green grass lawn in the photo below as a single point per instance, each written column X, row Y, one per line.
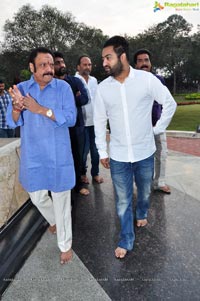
column 186, row 118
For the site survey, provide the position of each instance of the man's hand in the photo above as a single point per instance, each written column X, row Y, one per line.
column 78, row 93
column 17, row 98
column 31, row 104
column 105, row 162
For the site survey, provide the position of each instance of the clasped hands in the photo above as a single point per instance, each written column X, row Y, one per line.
column 20, row 102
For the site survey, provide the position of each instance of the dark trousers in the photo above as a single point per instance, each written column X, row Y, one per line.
column 7, row 133
column 77, row 143
column 90, row 146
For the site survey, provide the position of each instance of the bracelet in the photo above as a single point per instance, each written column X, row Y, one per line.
column 16, row 111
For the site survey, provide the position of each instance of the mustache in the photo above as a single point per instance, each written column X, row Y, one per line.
column 48, row 73
column 143, row 66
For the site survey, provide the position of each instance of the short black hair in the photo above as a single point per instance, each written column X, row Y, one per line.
column 120, row 45
column 1, row 81
column 58, row 54
column 35, row 52
column 80, row 58
column 141, row 51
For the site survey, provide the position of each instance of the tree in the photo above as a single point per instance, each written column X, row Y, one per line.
column 169, row 43
column 89, row 42
column 173, row 46
column 11, row 65
column 192, row 66
column 50, row 28
column 47, row 27
column 174, row 51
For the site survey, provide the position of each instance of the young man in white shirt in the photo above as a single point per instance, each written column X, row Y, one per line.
column 126, row 98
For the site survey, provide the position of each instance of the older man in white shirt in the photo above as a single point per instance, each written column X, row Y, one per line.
column 126, row 98
column 84, row 68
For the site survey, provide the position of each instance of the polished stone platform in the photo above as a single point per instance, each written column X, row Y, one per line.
column 12, row 195
column 165, row 262
column 18, row 237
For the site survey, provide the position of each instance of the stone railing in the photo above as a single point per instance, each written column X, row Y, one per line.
column 12, row 195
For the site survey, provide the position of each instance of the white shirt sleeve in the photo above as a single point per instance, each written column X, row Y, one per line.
column 100, row 121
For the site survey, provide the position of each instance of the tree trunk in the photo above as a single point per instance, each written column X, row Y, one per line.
column 174, row 83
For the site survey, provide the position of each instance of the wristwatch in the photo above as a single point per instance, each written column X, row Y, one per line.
column 49, row 113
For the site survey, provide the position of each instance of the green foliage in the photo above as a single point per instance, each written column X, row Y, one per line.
column 171, row 46
column 193, row 96
column 192, row 66
column 11, row 64
column 47, row 27
column 25, row 74
column 179, row 97
column 175, row 51
column 186, row 118
column 53, row 29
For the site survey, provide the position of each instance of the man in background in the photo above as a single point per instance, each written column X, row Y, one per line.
column 77, row 131
column 5, row 98
column 142, row 60
column 84, row 68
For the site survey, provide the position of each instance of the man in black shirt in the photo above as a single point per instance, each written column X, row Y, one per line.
column 76, row 132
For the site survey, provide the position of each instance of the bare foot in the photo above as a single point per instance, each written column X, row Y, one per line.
column 164, row 189
column 66, row 256
column 98, row 179
column 85, row 179
column 141, row 222
column 52, row 229
column 84, row 191
column 120, row 252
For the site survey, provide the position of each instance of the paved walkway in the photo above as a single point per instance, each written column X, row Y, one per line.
column 164, row 264
column 183, row 165
column 185, row 145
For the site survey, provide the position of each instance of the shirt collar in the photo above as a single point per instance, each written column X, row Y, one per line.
column 131, row 75
column 32, row 82
column 132, row 72
column 77, row 74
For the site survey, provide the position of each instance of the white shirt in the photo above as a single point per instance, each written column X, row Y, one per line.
column 91, row 87
column 128, row 107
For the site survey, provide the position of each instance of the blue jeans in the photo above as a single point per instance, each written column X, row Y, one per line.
column 90, row 146
column 7, row 133
column 123, row 176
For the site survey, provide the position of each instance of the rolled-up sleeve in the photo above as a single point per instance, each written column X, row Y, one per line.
column 67, row 114
column 9, row 119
